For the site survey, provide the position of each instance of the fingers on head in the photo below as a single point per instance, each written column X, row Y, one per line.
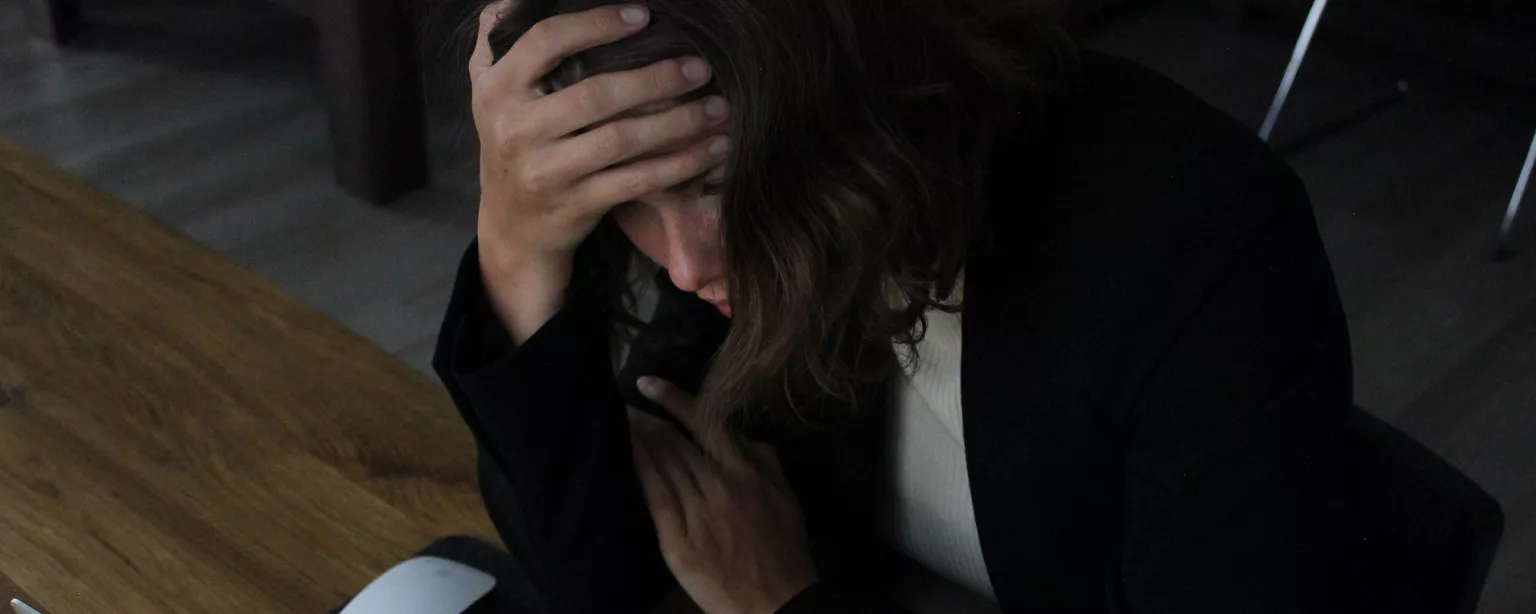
column 493, row 14
column 557, row 37
column 481, row 59
column 604, row 96
column 636, row 179
column 663, row 130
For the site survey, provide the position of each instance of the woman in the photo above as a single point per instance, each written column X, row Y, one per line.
column 860, row 212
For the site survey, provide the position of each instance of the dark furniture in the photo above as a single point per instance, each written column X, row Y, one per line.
column 1428, row 532
column 1489, row 37
column 372, row 77
column 1486, row 36
column 54, row 20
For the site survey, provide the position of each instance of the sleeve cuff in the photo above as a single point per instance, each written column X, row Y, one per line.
column 473, row 338
column 554, row 367
column 832, row 598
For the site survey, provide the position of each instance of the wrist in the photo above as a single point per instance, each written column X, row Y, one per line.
column 777, row 600
column 499, row 254
column 525, row 290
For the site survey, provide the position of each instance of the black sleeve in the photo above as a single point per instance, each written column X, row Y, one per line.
column 556, row 469
column 837, row 598
column 1236, row 472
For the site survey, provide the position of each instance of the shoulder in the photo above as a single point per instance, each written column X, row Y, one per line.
column 1121, row 146
column 1121, row 167
column 1118, row 206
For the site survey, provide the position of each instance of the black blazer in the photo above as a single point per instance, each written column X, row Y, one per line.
column 1155, row 374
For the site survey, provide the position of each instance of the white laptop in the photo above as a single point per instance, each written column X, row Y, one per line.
column 21, row 608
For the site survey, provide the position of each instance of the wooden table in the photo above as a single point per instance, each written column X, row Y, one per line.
column 9, row 591
column 177, row 435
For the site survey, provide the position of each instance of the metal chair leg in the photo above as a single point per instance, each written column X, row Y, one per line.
column 1297, row 55
column 1507, row 228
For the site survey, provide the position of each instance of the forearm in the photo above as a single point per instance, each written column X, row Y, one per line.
column 525, row 290
column 556, row 470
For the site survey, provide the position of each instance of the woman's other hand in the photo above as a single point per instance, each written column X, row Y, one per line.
column 729, row 525
column 552, row 164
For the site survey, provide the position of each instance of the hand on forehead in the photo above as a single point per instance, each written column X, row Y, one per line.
column 716, row 174
column 650, row 108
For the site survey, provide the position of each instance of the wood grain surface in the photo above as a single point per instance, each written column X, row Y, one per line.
column 9, row 591
column 177, row 435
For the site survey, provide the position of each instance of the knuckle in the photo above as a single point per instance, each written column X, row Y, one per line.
column 501, row 149
column 698, row 161
column 512, row 127
column 666, row 77
column 589, row 98
column 600, row 21
column 639, row 184
column 698, row 119
column 541, row 37
column 613, row 140
column 535, row 178
column 507, row 143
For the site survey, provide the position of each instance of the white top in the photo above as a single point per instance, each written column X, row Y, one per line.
column 928, row 510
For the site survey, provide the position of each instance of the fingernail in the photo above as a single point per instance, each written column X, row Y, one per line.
column 720, row 145
column 633, row 15
column 648, row 385
column 716, row 107
column 695, row 70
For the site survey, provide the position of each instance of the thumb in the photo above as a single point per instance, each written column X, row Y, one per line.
column 480, row 60
column 713, row 438
column 665, row 394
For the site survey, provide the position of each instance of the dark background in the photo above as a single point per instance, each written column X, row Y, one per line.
column 210, row 115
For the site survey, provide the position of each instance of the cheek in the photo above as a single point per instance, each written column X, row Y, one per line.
column 645, row 231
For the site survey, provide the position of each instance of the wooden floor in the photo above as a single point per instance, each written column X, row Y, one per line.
column 206, row 113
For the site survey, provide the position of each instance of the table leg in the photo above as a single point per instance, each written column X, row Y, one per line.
column 377, row 110
column 56, row 21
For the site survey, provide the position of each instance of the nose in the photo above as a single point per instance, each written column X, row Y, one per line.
column 687, row 275
column 694, row 257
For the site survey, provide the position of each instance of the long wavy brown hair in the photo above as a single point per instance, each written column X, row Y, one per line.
column 862, row 130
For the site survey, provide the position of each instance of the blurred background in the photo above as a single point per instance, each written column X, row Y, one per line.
column 1408, row 120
